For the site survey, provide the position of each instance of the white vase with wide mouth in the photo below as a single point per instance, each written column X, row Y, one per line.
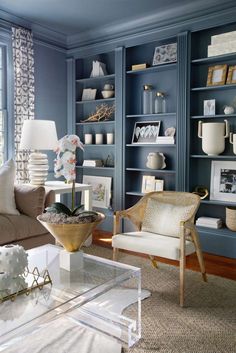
column 213, row 137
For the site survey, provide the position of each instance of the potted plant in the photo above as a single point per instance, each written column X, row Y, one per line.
column 69, row 226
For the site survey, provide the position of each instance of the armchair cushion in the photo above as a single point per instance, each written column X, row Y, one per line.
column 151, row 244
column 30, row 199
column 164, row 218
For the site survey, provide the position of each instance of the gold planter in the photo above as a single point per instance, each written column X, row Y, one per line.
column 71, row 236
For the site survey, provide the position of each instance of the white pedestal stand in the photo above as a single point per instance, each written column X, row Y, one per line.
column 71, row 261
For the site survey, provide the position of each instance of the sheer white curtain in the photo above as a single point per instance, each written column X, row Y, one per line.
column 23, row 61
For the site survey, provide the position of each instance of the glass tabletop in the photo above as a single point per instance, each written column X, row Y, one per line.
column 69, row 290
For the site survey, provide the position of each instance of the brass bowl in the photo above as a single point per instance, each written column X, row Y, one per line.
column 71, row 236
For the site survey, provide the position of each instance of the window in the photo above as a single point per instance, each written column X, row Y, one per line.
column 2, row 105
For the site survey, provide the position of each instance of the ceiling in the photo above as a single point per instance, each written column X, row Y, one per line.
column 77, row 17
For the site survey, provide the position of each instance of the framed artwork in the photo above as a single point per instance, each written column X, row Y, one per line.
column 231, row 77
column 101, row 190
column 223, row 181
column 146, row 132
column 165, row 54
column 209, row 107
column 216, row 75
column 159, row 185
column 89, row 94
column 148, row 184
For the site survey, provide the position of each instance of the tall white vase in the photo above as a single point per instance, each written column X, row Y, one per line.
column 232, row 140
column 213, row 137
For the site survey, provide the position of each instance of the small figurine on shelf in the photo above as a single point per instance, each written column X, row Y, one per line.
column 109, row 162
column 103, row 112
column 99, row 69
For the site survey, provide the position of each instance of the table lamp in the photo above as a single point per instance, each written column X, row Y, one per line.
column 38, row 135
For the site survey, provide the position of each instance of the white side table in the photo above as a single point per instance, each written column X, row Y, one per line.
column 60, row 188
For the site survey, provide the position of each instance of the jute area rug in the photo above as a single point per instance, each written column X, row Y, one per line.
column 207, row 324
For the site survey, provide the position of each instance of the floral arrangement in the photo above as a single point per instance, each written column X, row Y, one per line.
column 66, row 158
column 65, row 165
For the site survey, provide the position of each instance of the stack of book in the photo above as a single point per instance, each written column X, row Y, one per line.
column 209, row 222
column 165, row 140
column 92, row 163
column 224, row 43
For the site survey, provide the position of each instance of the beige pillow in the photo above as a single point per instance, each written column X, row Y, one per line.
column 30, row 199
column 164, row 218
column 7, row 197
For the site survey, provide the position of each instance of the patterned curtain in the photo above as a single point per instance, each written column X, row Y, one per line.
column 23, row 61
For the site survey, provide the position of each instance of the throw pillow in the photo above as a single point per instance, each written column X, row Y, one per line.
column 30, row 199
column 7, row 197
column 164, row 218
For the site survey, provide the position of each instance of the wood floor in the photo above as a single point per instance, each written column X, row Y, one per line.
column 215, row 265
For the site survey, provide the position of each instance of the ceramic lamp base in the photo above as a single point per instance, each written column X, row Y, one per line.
column 38, row 168
column 71, row 261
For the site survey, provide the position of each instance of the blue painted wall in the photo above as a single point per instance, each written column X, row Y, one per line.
column 51, row 89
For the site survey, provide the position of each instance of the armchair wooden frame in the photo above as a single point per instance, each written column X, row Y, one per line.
column 187, row 228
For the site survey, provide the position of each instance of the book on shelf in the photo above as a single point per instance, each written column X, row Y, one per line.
column 209, row 222
column 167, row 140
column 92, row 163
column 139, row 67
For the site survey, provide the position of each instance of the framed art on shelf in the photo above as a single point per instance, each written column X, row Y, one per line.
column 146, row 132
column 231, row 77
column 209, row 107
column 89, row 94
column 148, row 184
column 216, row 75
column 223, row 181
column 165, row 54
column 101, row 190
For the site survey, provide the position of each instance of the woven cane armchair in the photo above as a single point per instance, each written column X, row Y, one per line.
column 164, row 223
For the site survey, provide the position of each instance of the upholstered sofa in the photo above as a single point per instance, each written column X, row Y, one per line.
column 24, row 229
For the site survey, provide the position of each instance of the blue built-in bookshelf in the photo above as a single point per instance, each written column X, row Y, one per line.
column 184, row 83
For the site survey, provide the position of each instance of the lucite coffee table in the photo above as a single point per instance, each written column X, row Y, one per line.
column 68, row 296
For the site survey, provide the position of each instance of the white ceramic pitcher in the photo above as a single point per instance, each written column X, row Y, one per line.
column 232, row 139
column 213, row 137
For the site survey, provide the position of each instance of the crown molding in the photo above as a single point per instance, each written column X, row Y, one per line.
column 41, row 34
column 158, row 30
column 160, row 19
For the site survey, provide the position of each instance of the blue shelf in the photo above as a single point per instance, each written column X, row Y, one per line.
column 164, row 171
column 150, row 115
column 218, row 203
column 101, row 168
column 96, row 101
column 149, row 145
column 213, row 88
column 214, row 59
column 211, row 157
column 134, row 193
column 213, row 116
column 96, row 122
column 98, row 78
column 153, row 69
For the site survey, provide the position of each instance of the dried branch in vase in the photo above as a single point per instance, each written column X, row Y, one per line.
column 103, row 112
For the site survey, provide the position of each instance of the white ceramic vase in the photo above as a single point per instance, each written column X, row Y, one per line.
column 232, row 140
column 156, row 160
column 213, row 137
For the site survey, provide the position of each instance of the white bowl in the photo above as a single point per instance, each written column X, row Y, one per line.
column 108, row 94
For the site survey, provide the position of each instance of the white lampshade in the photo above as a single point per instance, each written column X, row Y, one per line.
column 38, row 135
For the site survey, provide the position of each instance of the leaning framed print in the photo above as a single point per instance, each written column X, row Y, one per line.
column 146, row 132
column 223, row 181
column 231, row 76
column 165, row 54
column 101, row 190
column 216, row 75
